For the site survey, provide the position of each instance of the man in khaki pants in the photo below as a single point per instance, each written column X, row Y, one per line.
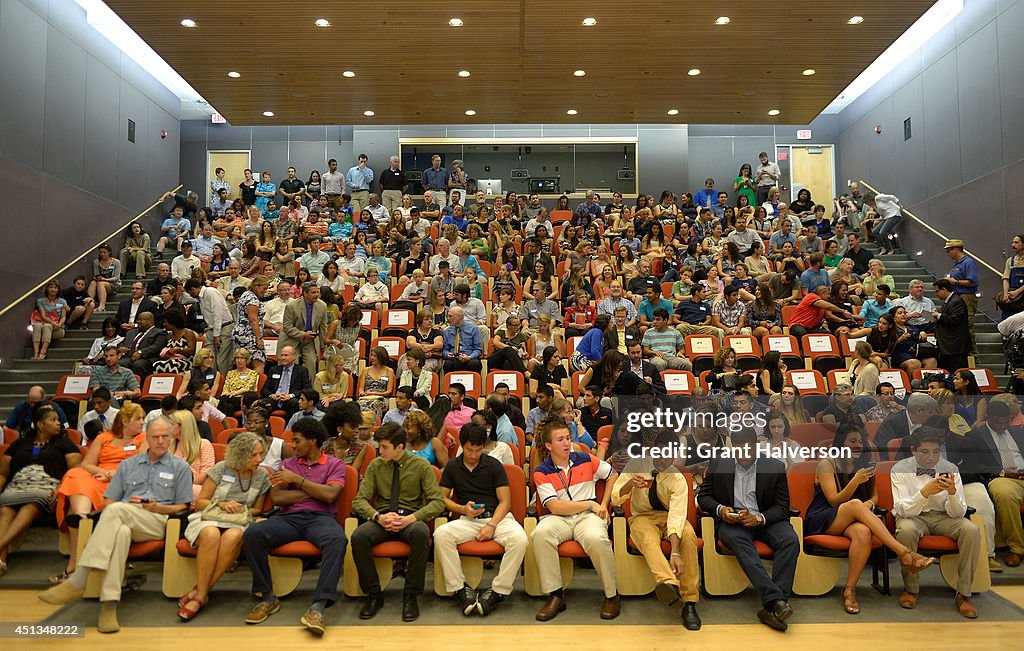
column 146, row 489
column 659, row 498
column 567, row 487
column 392, row 186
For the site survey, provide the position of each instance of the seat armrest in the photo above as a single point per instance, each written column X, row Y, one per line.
column 879, row 511
column 970, row 511
column 531, row 511
column 618, row 511
column 794, row 513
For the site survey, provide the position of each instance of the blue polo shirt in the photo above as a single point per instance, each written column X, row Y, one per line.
column 646, row 309
column 692, row 312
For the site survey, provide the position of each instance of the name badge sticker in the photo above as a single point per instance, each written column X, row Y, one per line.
column 131, row 447
column 167, row 475
column 229, row 478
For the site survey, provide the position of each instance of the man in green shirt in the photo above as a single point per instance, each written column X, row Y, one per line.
column 404, row 492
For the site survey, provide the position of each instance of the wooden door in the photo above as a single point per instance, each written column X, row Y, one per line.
column 813, row 169
column 234, row 164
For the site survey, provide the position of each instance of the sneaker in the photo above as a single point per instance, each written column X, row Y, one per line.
column 994, row 566
column 262, row 611
column 467, row 599
column 488, row 601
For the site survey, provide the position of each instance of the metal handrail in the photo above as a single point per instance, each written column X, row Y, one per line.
column 944, row 237
column 84, row 253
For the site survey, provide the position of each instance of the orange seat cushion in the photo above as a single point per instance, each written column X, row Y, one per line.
column 763, row 550
column 941, row 544
column 296, row 548
column 145, row 548
column 486, row 548
column 571, row 549
column 185, row 549
column 391, row 549
column 835, row 543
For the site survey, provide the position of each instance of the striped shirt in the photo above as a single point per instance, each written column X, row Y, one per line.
column 577, row 482
column 668, row 341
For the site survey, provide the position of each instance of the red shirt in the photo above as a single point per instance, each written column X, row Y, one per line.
column 580, row 315
column 806, row 314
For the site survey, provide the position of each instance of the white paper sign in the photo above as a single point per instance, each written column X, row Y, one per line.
column 893, row 377
column 398, row 318
column 842, row 377
column 981, row 377
column 573, row 342
column 702, row 345
column 511, row 379
column 742, row 345
column 270, row 347
column 780, row 344
column 392, row 346
column 677, row 382
column 467, row 380
column 76, row 384
column 804, row 380
column 367, row 318
column 161, row 386
column 819, row 344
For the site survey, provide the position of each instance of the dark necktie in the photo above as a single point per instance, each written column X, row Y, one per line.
column 135, row 343
column 395, row 487
column 926, row 471
column 652, row 493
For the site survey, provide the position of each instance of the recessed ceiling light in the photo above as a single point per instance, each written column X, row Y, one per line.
column 773, row 112
column 368, row 114
column 188, row 22
column 268, row 114
column 694, row 72
column 322, row 22
column 571, row 112
column 809, row 72
column 580, row 73
column 470, row 112
column 464, row 73
column 722, row 20
column 856, row 20
column 455, row 22
column 348, row 73
column 590, row 22
column 234, row 75
column 673, row 112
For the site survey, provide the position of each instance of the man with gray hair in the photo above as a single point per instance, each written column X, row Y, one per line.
column 305, row 326
column 902, row 424
column 435, row 179
column 590, row 206
column 919, row 307
column 393, row 185
column 145, row 490
column 444, row 252
column 463, row 344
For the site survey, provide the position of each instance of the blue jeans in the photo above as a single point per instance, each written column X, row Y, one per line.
column 882, row 231
column 781, row 538
column 671, row 276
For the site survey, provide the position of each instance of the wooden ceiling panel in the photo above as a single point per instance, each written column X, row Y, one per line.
column 521, row 56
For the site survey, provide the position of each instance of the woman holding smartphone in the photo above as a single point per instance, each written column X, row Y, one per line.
column 844, row 496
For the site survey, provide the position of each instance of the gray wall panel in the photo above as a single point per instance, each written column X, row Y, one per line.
column 664, row 159
column 131, row 157
column 980, row 133
column 1011, row 81
column 942, row 124
column 162, row 156
column 22, row 40
column 102, row 116
column 939, row 45
column 307, row 134
column 64, row 136
column 911, row 183
column 269, row 134
column 968, row 23
column 307, row 156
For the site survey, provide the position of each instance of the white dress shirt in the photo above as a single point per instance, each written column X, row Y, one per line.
column 906, row 491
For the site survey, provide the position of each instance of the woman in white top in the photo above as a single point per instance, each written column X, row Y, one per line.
column 110, row 337
column 373, row 294
column 493, row 448
column 257, row 421
column 416, row 377
column 542, row 338
column 331, row 278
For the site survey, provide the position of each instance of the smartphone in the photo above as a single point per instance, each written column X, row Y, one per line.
column 478, row 505
column 145, row 500
column 944, row 475
column 871, row 465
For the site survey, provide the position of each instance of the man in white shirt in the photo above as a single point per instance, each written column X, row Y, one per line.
column 919, row 307
column 273, row 315
column 219, row 322
column 182, row 265
column 542, row 219
column 351, row 266
column 332, row 184
column 103, row 412
column 889, row 214
column 928, row 499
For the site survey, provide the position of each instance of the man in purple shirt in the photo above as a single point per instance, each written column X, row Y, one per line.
column 306, row 489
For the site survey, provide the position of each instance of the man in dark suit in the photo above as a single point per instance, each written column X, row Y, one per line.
column 639, row 368
column 129, row 309
column 952, row 327
column 901, row 424
column 285, row 381
column 998, row 461
column 620, row 336
column 141, row 346
column 749, row 499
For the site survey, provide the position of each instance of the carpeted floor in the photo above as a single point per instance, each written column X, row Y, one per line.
column 231, row 600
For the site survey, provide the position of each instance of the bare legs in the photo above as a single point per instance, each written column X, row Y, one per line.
column 13, row 523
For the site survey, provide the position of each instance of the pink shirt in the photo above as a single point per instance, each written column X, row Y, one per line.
column 459, row 416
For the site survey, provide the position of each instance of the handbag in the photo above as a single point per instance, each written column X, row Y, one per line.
column 213, row 512
column 1016, row 305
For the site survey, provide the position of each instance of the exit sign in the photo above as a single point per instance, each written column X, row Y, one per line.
column 803, row 134
column 217, row 118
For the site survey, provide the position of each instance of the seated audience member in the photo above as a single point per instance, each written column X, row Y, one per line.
column 475, row 487
column 575, row 513
column 31, row 470
column 404, row 405
column 344, row 422
column 809, row 317
column 142, row 346
column 695, row 314
column 901, row 424
column 395, row 515
column 463, row 345
column 119, row 381
column 376, row 382
column 881, row 304
column 636, row 371
column 80, row 304
column 543, row 398
column 885, row 393
column 665, row 346
column 236, row 487
column 307, row 488
column 997, row 461
column 111, row 336
column 749, row 499
column 928, row 499
column 285, row 381
column 620, row 335
column 459, row 413
column 841, row 409
column 308, row 402
column 730, row 315
column 20, row 417
column 844, row 496
column 509, row 347
column 659, row 497
column 183, row 265
column 138, row 506
column 421, row 441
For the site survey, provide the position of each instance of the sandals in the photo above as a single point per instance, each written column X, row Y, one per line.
column 850, row 600
column 917, row 561
column 57, row 579
column 187, row 597
column 185, row 614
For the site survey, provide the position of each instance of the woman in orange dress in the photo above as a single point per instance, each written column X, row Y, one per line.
column 82, row 489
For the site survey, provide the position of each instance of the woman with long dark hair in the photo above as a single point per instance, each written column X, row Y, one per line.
column 772, row 374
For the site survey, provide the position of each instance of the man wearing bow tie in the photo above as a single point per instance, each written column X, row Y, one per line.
column 928, row 499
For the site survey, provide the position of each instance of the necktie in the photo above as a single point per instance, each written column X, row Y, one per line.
column 103, row 420
column 1005, row 454
column 926, row 471
column 652, row 493
column 135, row 343
column 286, row 380
column 455, row 353
column 309, row 317
column 395, row 487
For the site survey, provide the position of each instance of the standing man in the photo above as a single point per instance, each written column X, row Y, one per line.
column 952, row 327
column 475, row 486
column 405, row 495
column 392, row 186
column 889, row 217
column 749, row 499
column 435, row 179
column 659, row 498
column 146, row 489
column 767, row 177
column 305, row 326
column 291, row 188
column 219, row 322
column 332, row 184
column 358, row 181
column 964, row 279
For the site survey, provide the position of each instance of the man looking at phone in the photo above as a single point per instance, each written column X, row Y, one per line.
column 658, row 500
column 475, row 486
column 928, row 499
column 749, row 499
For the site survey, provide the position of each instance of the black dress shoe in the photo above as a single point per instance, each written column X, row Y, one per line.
column 410, row 609
column 769, row 619
column 782, row 610
column 668, row 594
column 374, row 603
column 691, row 621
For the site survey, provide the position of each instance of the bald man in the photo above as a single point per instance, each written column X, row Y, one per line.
column 21, row 415
column 463, row 344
